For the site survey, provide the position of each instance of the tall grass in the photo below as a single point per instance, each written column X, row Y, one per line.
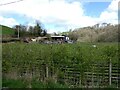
column 45, row 63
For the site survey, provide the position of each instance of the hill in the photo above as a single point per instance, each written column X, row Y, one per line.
column 5, row 30
column 108, row 33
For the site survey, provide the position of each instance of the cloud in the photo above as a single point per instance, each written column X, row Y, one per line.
column 113, row 6
column 8, row 21
column 57, row 15
column 110, row 15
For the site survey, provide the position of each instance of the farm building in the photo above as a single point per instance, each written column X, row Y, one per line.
column 52, row 39
column 64, row 38
column 57, row 37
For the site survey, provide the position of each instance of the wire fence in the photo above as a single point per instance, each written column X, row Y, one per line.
column 95, row 75
column 98, row 75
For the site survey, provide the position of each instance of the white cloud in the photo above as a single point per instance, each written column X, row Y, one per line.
column 57, row 13
column 113, row 6
column 110, row 15
column 8, row 21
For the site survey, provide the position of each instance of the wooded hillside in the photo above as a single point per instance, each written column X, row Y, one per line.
column 109, row 33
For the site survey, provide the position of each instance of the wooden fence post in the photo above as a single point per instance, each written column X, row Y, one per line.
column 110, row 72
column 46, row 71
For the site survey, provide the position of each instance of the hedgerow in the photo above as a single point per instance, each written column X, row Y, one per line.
column 58, row 62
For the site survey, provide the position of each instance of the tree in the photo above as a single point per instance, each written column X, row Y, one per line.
column 16, row 30
column 38, row 29
column 104, row 24
column 44, row 32
column 20, row 30
column 31, row 30
column 70, row 30
column 73, row 36
column 23, row 30
column 55, row 34
column 96, row 26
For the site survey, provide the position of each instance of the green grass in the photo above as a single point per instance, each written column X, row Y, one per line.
column 6, row 30
column 34, row 58
column 12, row 83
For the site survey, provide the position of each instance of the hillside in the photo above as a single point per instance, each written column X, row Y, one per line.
column 91, row 34
column 5, row 30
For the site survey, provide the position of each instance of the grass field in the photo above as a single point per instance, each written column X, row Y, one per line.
column 56, row 65
column 6, row 30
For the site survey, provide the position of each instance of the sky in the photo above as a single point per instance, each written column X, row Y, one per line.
column 58, row 15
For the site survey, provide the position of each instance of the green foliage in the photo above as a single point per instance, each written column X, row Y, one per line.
column 44, row 32
column 34, row 59
column 38, row 29
column 24, row 31
column 11, row 83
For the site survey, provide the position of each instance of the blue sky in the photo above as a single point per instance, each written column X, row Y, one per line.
column 94, row 9
column 58, row 15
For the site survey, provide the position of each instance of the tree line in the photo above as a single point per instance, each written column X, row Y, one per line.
column 31, row 31
column 96, row 33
